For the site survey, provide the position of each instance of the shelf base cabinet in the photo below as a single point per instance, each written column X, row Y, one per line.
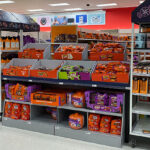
column 58, row 130
column 88, row 136
column 35, row 126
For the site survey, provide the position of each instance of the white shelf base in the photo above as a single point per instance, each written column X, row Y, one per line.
column 141, row 108
column 139, row 94
column 143, row 124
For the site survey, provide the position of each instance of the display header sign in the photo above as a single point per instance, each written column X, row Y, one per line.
column 75, row 18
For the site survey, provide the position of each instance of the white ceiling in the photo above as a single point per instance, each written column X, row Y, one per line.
column 21, row 6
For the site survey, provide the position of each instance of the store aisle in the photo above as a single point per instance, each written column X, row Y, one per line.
column 16, row 139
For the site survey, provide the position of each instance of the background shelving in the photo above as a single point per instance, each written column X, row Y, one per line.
column 139, row 102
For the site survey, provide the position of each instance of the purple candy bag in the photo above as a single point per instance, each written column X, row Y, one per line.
column 116, row 101
column 101, row 99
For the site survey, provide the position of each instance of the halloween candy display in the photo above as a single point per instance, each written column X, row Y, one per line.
column 111, row 72
column 107, row 52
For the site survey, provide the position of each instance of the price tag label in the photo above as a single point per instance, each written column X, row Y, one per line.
column 88, row 133
column 5, row 119
column 4, row 78
column 29, row 122
column 94, row 85
column 61, row 83
column 30, row 80
column 93, row 111
column 57, row 128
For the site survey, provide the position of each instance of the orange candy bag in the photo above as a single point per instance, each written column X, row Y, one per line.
column 116, row 127
column 16, row 111
column 93, row 122
column 8, row 109
column 105, row 124
column 76, row 121
column 25, row 112
column 78, row 99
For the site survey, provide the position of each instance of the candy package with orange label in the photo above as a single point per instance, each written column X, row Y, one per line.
column 25, row 112
column 8, row 109
column 105, row 124
column 93, row 122
column 16, row 111
column 49, row 98
column 78, row 99
column 116, row 127
column 76, row 121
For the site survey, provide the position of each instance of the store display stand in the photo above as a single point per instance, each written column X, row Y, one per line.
column 42, row 123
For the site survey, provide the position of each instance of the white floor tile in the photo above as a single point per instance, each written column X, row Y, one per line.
column 15, row 139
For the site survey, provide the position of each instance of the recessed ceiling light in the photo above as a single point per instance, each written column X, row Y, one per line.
column 6, row 2
column 141, row 2
column 59, row 4
column 73, row 9
column 109, row 4
column 32, row 10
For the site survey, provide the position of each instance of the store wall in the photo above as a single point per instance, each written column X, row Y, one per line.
column 119, row 18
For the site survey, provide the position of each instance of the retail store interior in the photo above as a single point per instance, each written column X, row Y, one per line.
column 74, row 75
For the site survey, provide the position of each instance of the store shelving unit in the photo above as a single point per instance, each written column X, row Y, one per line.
column 139, row 111
column 41, row 123
column 93, row 84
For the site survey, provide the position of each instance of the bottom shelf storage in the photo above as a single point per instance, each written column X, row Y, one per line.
column 140, row 126
column 41, row 125
column 21, row 124
column 64, row 130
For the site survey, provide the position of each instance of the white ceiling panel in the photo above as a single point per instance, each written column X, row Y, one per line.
column 21, row 6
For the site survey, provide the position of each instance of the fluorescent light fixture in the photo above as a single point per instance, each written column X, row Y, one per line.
column 109, row 4
column 141, row 2
column 6, row 2
column 34, row 10
column 59, row 4
column 73, row 9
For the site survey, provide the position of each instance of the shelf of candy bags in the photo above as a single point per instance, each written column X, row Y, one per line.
column 72, row 52
column 104, row 124
column 107, row 52
column 103, row 36
column 35, row 51
column 103, row 101
column 81, row 127
column 76, row 70
column 95, row 102
column 66, row 38
column 20, row 92
column 117, row 72
column 46, row 69
column 19, row 67
column 17, row 111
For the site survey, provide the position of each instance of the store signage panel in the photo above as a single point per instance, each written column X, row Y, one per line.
column 80, row 18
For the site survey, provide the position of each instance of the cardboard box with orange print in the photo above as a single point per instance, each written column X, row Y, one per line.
column 48, row 98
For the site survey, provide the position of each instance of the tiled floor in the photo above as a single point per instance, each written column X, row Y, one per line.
column 15, row 139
